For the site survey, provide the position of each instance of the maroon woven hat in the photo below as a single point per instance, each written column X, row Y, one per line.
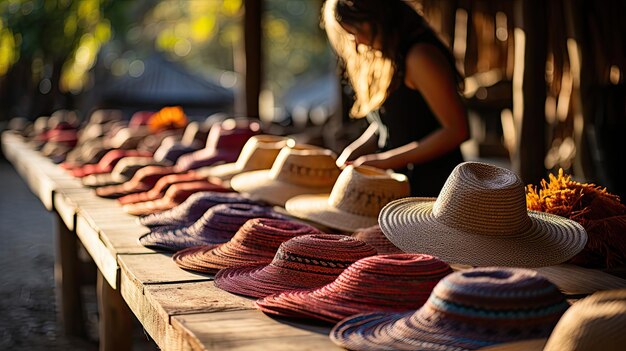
column 397, row 282
column 307, row 261
column 107, row 162
column 254, row 244
column 193, row 208
column 467, row 310
column 375, row 237
column 174, row 196
column 143, row 180
column 224, row 144
column 161, row 186
column 218, row 225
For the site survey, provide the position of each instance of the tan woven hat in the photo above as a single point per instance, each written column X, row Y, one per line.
column 354, row 202
column 122, row 172
column 596, row 323
column 259, row 152
column 297, row 170
column 480, row 218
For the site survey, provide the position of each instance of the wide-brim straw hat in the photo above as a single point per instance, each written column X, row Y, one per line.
column 217, row 226
column 143, row 180
column 254, row 243
column 392, row 283
column 594, row 323
column 480, row 218
column 355, row 200
column 259, row 152
column 108, row 162
column 298, row 169
column 161, row 186
column 466, row 311
column 123, row 171
column 306, row 261
column 193, row 208
column 174, row 196
column 375, row 237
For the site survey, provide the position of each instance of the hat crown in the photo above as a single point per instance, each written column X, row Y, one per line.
column 269, row 232
column 259, row 152
column 483, row 298
column 366, row 190
column 483, row 199
column 305, row 165
column 329, row 253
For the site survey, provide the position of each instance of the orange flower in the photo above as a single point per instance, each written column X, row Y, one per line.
column 167, row 118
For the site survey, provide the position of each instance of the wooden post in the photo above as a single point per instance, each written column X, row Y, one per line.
column 529, row 89
column 115, row 326
column 66, row 277
column 248, row 60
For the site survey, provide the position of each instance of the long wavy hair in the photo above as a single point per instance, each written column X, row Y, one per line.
column 371, row 72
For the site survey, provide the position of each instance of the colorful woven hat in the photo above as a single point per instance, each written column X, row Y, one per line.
column 595, row 323
column 254, row 243
column 307, row 261
column 193, row 208
column 375, row 237
column 355, row 201
column 480, row 218
column 389, row 283
column 159, row 189
column 143, row 180
column 174, row 196
column 224, row 144
column 108, row 161
column 259, row 152
column 466, row 311
column 123, row 171
column 218, row 225
column 297, row 170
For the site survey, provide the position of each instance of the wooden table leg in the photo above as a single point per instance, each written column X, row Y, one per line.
column 66, row 277
column 115, row 324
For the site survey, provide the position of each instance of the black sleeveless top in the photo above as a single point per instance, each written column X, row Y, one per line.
column 406, row 117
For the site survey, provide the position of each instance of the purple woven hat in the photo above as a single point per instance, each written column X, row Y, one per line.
column 255, row 243
column 307, row 261
column 218, row 225
column 193, row 208
column 467, row 310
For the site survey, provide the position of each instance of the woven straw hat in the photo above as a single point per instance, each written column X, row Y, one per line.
column 193, row 208
column 122, row 172
column 390, row 283
column 143, row 180
column 297, row 170
column 107, row 162
column 375, row 237
column 174, row 196
column 480, row 218
column 596, row 323
column 218, row 225
column 161, row 186
column 306, row 261
column 355, row 200
column 255, row 243
column 259, row 152
column 466, row 311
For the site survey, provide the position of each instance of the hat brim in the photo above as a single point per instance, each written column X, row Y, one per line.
column 149, row 207
column 575, row 280
column 409, row 224
column 224, row 171
column 316, row 208
column 210, row 259
column 258, row 184
column 263, row 280
column 105, row 179
column 171, row 239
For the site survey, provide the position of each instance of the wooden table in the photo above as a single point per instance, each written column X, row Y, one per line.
column 179, row 309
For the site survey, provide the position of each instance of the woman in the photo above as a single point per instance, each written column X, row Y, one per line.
column 406, row 84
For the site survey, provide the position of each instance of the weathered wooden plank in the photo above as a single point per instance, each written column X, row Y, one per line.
column 104, row 259
column 66, row 209
column 125, row 240
column 155, row 268
column 250, row 330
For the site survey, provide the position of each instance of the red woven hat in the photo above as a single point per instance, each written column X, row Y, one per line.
column 107, row 162
column 255, row 243
column 174, row 196
column 306, row 261
column 377, row 283
column 143, row 180
column 375, row 237
column 159, row 189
